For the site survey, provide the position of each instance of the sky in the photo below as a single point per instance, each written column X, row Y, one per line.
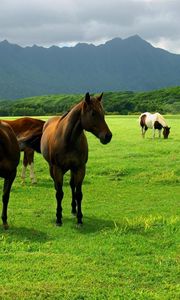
column 68, row 22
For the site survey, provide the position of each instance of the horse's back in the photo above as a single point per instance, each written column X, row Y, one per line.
column 25, row 124
column 159, row 118
column 51, row 121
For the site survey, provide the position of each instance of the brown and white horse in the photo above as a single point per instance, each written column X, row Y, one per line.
column 9, row 159
column 153, row 121
column 64, row 146
column 26, row 126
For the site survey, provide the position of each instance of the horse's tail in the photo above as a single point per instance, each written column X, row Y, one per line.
column 142, row 118
column 32, row 141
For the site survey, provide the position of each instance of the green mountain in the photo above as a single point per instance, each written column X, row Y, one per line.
column 129, row 64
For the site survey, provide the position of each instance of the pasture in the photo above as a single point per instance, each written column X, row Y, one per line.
column 128, row 245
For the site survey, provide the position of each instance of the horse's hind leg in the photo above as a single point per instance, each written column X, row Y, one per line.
column 5, row 198
column 160, row 133
column 144, row 129
column 78, row 180
column 32, row 174
column 30, row 155
column 28, row 159
column 57, row 175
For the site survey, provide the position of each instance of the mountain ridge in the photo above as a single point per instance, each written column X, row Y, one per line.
column 119, row 64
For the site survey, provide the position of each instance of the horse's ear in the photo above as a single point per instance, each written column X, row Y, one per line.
column 100, row 97
column 87, row 98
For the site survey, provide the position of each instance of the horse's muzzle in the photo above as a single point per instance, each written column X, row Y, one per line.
column 106, row 139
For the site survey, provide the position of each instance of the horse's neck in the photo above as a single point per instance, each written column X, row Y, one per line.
column 161, row 120
column 72, row 121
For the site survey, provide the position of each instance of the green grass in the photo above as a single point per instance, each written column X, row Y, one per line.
column 128, row 245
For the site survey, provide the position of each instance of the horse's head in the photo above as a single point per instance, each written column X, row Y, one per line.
column 92, row 118
column 166, row 132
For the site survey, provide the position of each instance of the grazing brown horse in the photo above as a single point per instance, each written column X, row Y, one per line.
column 9, row 159
column 21, row 127
column 64, row 146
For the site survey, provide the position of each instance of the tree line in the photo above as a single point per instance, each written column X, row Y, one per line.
column 128, row 102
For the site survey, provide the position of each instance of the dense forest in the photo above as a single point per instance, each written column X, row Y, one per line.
column 163, row 101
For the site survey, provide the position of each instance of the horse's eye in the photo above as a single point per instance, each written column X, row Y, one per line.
column 93, row 113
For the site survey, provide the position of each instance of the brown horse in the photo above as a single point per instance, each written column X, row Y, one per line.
column 64, row 146
column 9, row 159
column 21, row 127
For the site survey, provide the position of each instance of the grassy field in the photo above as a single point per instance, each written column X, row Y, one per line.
column 128, row 245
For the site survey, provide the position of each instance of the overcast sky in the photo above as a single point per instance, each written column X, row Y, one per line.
column 67, row 22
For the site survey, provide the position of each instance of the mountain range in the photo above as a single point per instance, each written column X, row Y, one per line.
column 118, row 65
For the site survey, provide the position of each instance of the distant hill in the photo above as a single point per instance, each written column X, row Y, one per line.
column 118, row 65
column 163, row 101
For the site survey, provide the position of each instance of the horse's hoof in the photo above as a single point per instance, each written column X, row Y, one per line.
column 58, row 224
column 79, row 225
column 74, row 214
column 6, row 226
column 33, row 181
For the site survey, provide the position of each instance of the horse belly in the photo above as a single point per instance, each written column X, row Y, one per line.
column 149, row 123
column 47, row 140
column 72, row 160
column 6, row 167
column 46, row 143
column 45, row 151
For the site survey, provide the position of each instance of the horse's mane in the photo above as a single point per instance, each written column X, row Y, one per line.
column 67, row 112
column 160, row 119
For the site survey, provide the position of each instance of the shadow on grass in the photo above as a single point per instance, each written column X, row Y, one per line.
column 90, row 224
column 23, row 233
column 97, row 225
column 48, row 183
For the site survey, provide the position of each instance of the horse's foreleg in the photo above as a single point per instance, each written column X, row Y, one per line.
column 79, row 197
column 160, row 132
column 153, row 133
column 58, row 182
column 25, row 163
column 78, row 179
column 73, row 203
column 5, row 198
